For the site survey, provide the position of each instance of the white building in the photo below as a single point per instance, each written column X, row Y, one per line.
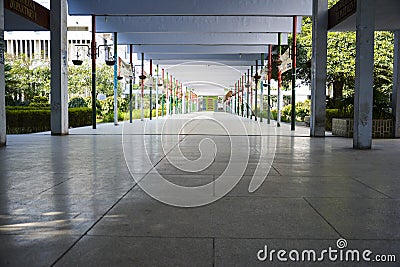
column 36, row 45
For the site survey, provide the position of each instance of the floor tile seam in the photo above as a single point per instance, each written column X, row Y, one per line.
column 151, row 236
column 276, row 170
column 222, row 237
column 217, row 238
column 92, row 226
column 156, row 164
column 319, row 213
column 310, row 197
column 214, row 254
column 40, row 235
column 370, row 187
column 54, row 186
column 309, row 239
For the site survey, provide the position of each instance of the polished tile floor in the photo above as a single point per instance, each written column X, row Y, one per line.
column 90, row 198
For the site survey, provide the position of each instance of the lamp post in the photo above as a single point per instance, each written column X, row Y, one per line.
column 294, row 74
column 242, row 107
column 164, row 95
column 151, row 89
column 158, row 84
column 93, row 53
column 261, row 89
column 280, row 99
column 142, row 78
column 247, row 92
column 257, row 77
column 251, row 92
column 269, row 83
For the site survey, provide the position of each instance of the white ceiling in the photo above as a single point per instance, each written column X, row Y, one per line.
column 208, row 45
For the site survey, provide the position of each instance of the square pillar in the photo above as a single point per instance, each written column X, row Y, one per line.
column 318, row 68
column 59, row 67
column 363, row 96
column 2, row 81
column 396, row 84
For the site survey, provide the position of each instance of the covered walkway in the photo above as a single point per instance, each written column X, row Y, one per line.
column 72, row 201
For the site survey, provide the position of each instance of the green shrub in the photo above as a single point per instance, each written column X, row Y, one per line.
column 77, row 102
column 137, row 114
column 79, row 117
column 26, row 108
column 108, row 105
column 110, row 116
column 303, row 109
column 274, row 114
column 21, row 121
column 286, row 113
column 30, row 120
column 99, row 107
column 40, row 102
column 123, row 104
column 335, row 113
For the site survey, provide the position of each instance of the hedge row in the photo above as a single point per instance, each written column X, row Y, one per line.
column 27, row 120
column 136, row 114
column 330, row 114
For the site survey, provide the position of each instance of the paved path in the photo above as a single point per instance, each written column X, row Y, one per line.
column 75, row 201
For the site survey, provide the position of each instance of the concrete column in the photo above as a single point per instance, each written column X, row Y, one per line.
column 363, row 97
column 318, row 68
column 59, row 70
column 2, row 82
column 396, row 84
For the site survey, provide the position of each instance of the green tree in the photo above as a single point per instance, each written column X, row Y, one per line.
column 341, row 59
column 26, row 78
column 105, row 80
column 79, row 80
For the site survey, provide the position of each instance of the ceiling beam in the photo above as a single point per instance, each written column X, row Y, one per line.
column 200, row 38
column 197, row 49
column 171, row 63
column 195, row 24
column 191, row 7
column 204, row 57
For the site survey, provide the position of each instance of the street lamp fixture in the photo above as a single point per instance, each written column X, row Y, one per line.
column 257, row 77
column 110, row 60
